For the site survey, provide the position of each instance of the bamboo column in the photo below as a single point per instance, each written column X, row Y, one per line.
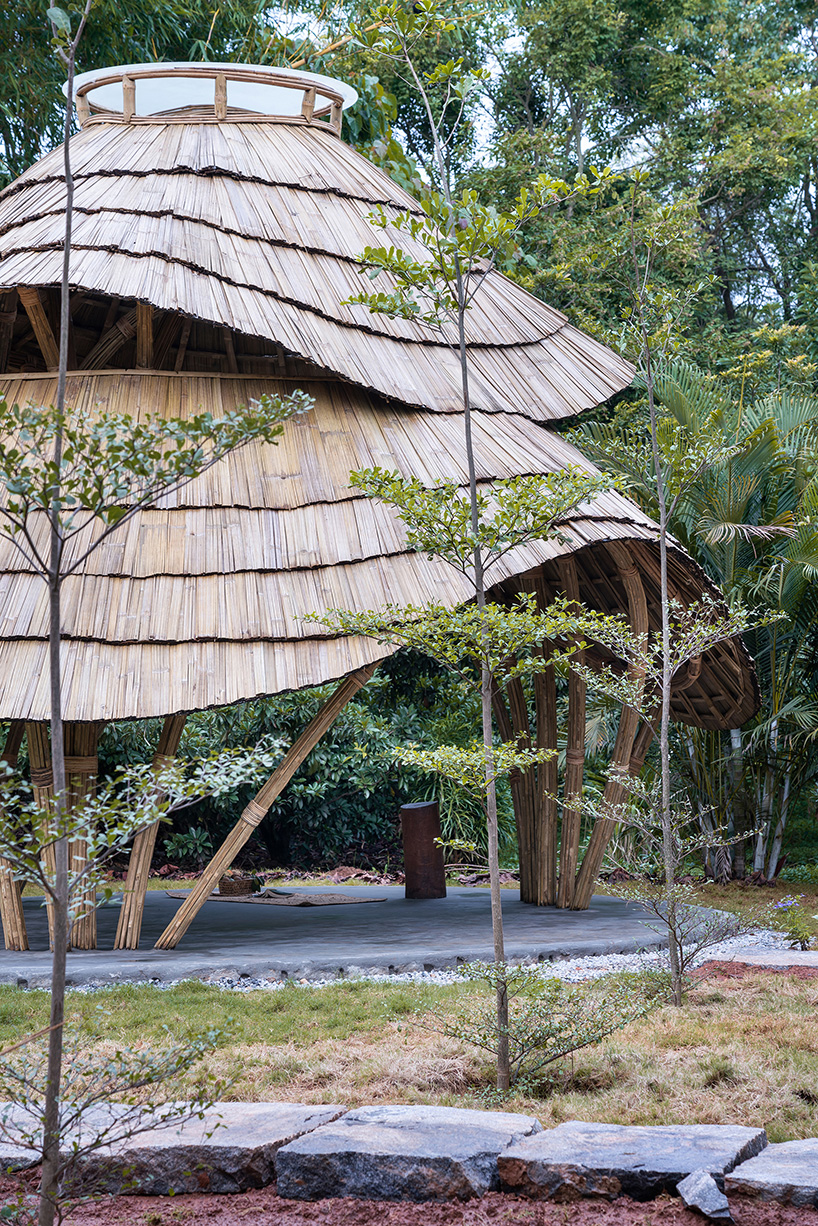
column 522, row 783
column 11, row 898
column 42, row 782
column 526, row 821
column 574, row 756
column 81, row 769
column 546, row 832
column 623, row 754
column 129, row 927
column 257, row 808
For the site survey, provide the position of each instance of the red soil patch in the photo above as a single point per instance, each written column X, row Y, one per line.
column 266, row 1209
column 740, row 970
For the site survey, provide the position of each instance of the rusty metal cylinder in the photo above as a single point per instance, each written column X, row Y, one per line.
column 422, row 858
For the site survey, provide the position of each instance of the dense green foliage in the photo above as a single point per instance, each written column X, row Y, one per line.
column 342, row 806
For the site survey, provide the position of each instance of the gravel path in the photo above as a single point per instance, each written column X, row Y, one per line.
column 569, row 970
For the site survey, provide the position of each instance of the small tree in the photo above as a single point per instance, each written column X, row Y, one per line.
column 483, row 642
column 669, row 462
column 455, row 244
column 70, row 481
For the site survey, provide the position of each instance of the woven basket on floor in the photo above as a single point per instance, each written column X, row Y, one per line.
column 235, row 885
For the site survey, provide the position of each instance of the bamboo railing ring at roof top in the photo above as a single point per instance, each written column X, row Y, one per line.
column 327, row 113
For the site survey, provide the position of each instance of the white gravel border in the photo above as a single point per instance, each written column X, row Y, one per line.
column 569, row 970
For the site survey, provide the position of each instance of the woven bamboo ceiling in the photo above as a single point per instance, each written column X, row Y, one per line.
column 237, row 234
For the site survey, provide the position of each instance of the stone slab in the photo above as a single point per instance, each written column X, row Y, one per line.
column 21, row 1131
column 578, row 1159
column 700, row 1191
column 232, row 1149
column 787, row 1172
column 401, row 1153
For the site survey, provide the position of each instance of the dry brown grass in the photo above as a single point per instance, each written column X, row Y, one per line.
column 743, row 1052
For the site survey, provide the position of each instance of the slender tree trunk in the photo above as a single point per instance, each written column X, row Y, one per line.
column 778, row 839
column 49, row 1184
column 766, row 808
column 61, row 901
column 486, row 686
column 668, row 844
column 739, row 803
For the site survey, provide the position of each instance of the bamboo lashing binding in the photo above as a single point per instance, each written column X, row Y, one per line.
column 256, row 809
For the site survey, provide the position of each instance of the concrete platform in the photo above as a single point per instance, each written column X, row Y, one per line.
column 777, row 959
column 318, row 942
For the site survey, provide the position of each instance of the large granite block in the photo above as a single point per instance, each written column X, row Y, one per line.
column 578, row 1159
column 231, row 1149
column 787, row 1172
column 401, row 1153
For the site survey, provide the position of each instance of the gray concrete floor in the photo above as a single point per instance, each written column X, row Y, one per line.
column 312, row 942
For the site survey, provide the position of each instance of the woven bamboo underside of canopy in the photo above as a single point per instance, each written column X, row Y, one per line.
column 255, row 227
column 203, row 600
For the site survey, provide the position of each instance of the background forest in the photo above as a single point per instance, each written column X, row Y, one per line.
column 711, row 105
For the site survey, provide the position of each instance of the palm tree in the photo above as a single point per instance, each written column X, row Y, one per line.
column 750, row 518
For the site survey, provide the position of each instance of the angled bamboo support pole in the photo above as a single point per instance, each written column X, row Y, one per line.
column 11, row 899
column 623, row 761
column 129, row 928
column 574, row 756
column 113, row 338
column 257, row 808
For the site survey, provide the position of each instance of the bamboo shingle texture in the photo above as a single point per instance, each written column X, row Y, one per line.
column 213, row 250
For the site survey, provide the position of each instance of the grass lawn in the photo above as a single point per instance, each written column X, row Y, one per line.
column 740, row 1052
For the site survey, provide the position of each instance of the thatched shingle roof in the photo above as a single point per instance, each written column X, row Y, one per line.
column 256, row 227
column 242, row 234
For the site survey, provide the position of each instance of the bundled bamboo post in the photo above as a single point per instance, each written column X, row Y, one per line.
column 144, row 335
column 129, row 927
column 38, row 319
column 520, row 782
column 257, row 808
column 574, row 755
column 8, row 318
column 623, row 761
column 11, row 898
column 527, row 788
column 546, row 826
column 546, row 833
column 220, row 96
column 81, row 769
column 42, row 783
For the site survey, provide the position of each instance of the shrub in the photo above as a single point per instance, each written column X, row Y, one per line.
column 548, row 1019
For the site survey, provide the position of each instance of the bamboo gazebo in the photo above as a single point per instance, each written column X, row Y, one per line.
column 218, row 215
